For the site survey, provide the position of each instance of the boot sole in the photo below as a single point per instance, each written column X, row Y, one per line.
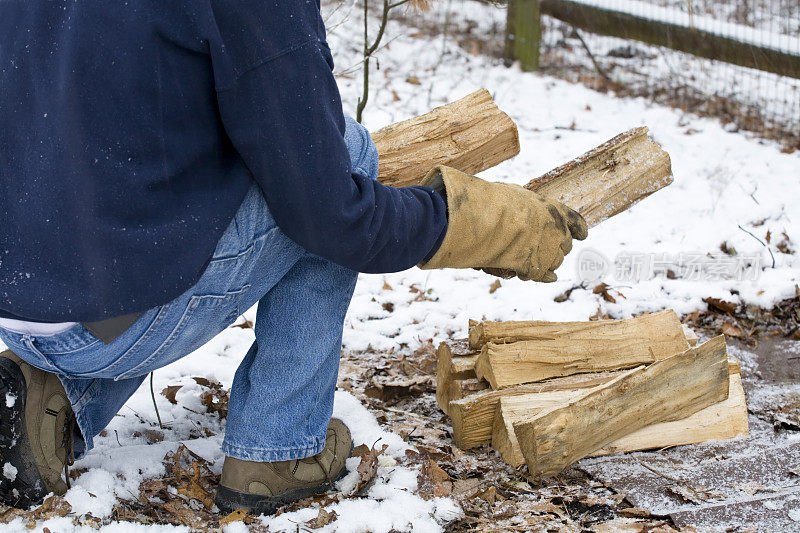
column 16, row 457
column 229, row 500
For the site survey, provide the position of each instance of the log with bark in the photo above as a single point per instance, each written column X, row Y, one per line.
column 610, row 178
column 456, row 375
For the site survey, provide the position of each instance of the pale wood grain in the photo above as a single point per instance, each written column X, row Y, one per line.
column 664, row 391
column 610, row 178
column 473, row 416
column 470, row 135
column 524, row 352
column 723, row 420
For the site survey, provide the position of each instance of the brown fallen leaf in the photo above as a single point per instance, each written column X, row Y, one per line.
column 721, row 305
column 170, row 392
column 564, row 296
column 422, row 453
column 727, row 248
column 150, row 435
column 602, row 290
column 634, row 512
column 732, row 331
column 433, row 481
column 394, row 389
column 368, row 467
column 467, row 488
column 182, row 513
column 694, row 316
column 193, row 487
column 494, row 286
column 323, row 519
column 599, row 315
column 239, row 515
column 491, row 496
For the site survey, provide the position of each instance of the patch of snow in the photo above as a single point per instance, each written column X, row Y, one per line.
column 11, row 399
column 9, row 471
column 773, row 504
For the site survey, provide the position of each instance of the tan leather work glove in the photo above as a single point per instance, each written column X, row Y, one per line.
column 503, row 229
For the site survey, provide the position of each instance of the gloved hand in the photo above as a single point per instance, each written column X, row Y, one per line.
column 504, row 229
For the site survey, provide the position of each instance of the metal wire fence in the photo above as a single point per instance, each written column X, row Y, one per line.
column 747, row 97
column 736, row 60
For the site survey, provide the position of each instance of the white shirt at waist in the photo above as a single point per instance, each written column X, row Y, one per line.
column 34, row 328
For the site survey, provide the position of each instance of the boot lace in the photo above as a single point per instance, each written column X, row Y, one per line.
column 324, row 471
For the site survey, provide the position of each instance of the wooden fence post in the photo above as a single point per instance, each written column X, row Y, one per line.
column 523, row 33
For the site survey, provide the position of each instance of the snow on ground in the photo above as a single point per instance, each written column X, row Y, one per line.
column 726, row 185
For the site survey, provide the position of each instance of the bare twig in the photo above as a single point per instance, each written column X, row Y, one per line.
column 762, row 244
column 591, row 56
column 155, row 406
column 371, row 47
column 662, row 474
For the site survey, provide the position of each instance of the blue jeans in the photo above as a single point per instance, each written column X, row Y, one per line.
column 282, row 394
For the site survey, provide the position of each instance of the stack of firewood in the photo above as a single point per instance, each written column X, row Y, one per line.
column 547, row 394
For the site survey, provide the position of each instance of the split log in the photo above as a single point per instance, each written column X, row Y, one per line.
column 482, row 332
column 546, row 350
column 724, row 420
column 457, row 389
column 473, row 416
column 470, row 135
column 691, row 336
column 455, row 377
column 513, row 409
column 455, row 374
column 668, row 390
column 610, row 178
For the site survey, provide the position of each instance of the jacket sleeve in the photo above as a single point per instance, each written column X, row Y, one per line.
column 282, row 110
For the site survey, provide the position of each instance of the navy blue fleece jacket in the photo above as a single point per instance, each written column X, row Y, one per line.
column 130, row 131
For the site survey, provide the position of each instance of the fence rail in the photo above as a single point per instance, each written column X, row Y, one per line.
column 735, row 59
column 675, row 35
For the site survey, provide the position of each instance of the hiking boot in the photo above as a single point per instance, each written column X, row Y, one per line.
column 263, row 488
column 36, row 433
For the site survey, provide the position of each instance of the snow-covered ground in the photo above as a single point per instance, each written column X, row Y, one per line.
column 727, row 187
